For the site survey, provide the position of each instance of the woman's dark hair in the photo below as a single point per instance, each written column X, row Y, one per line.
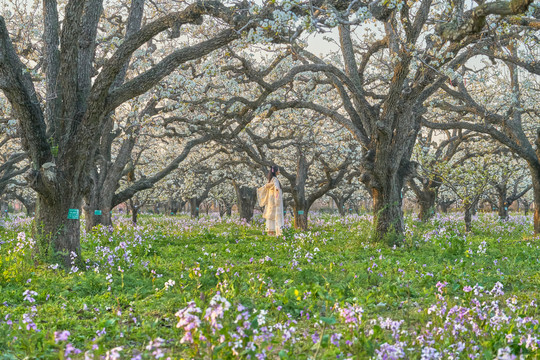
column 272, row 173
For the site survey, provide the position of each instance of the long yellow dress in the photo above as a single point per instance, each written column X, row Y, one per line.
column 271, row 196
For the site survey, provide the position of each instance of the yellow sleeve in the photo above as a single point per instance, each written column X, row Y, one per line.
column 270, row 186
column 262, row 194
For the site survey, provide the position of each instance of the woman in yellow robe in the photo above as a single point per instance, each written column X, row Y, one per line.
column 271, row 196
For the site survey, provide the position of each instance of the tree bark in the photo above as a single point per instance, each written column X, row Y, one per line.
column 474, row 207
column 341, row 206
column 502, row 203
column 468, row 218
column 301, row 210
column 28, row 203
column 30, row 207
column 134, row 215
column 246, row 200
column 426, row 197
column 59, row 237
column 536, row 193
column 301, row 205
column 526, row 207
column 194, row 204
column 134, row 206
column 340, row 201
column 99, row 201
column 172, row 206
column 387, row 211
column 445, row 205
column 427, row 206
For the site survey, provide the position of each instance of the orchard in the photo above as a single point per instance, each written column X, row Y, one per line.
column 142, row 143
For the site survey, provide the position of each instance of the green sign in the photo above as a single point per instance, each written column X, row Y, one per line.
column 97, row 212
column 300, row 212
column 73, row 214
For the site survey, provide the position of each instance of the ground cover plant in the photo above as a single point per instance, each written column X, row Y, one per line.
column 179, row 288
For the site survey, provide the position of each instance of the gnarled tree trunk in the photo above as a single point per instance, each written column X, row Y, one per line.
column 386, row 170
column 59, row 236
column 387, row 210
column 246, row 200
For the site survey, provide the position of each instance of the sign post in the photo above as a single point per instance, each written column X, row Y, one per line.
column 73, row 214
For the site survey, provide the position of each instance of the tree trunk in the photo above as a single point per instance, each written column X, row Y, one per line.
column 246, row 200
column 59, row 237
column 526, row 207
column 503, row 210
column 341, row 206
column 98, row 210
column 30, row 207
column 468, row 218
column 301, row 205
column 502, row 204
column 28, row 203
column 4, row 205
column 387, row 210
column 222, row 208
column 474, row 207
column 301, row 216
column 134, row 215
column 194, row 204
column 536, row 194
column 173, row 206
column 340, row 203
column 445, row 205
column 427, row 204
column 134, row 211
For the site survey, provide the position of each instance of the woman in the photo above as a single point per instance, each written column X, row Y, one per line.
column 271, row 196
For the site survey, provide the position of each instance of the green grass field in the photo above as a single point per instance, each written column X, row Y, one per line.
column 178, row 288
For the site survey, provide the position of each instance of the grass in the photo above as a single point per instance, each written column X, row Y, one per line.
column 327, row 293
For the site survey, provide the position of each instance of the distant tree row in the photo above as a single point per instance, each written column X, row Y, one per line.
column 105, row 99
